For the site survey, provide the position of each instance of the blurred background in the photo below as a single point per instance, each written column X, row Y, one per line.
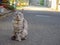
column 53, row 4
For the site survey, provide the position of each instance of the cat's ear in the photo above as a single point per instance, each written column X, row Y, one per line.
column 22, row 10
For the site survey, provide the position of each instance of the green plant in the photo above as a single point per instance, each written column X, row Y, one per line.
column 10, row 7
column 41, row 2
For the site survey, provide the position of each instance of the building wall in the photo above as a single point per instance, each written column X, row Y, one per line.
column 46, row 3
column 34, row 2
column 53, row 5
column 49, row 3
column 37, row 3
column 59, row 5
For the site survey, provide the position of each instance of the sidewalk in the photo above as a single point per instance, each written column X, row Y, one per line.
column 37, row 8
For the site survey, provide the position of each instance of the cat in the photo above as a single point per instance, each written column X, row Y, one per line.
column 20, row 26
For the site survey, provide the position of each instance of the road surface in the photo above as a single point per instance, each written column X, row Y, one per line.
column 44, row 29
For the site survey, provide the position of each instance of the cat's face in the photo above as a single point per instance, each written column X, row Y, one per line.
column 19, row 17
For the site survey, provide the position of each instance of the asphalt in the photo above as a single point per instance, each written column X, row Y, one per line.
column 44, row 28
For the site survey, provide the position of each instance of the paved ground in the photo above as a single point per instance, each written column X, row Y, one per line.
column 44, row 29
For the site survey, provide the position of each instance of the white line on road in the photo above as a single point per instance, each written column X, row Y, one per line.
column 42, row 16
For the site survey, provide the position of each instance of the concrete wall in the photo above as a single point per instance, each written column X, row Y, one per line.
column 47, row 3
column 59, row 6
column 34, row 2
column 53, row 5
